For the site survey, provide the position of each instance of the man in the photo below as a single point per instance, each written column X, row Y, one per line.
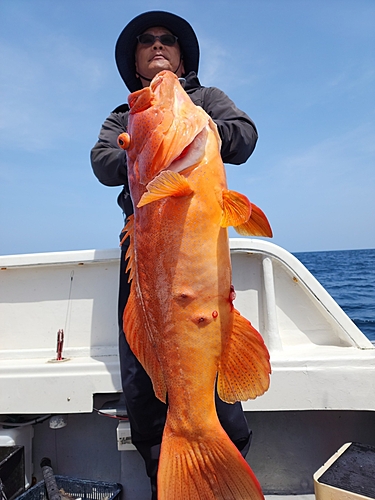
column 152, row 42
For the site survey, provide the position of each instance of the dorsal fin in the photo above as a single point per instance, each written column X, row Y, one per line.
column 128, row 232
column 140, row 340
column 136, row 328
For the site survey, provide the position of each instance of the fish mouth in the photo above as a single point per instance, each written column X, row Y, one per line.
column 192, row 154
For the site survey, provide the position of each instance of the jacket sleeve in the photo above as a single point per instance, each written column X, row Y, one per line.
column 237, row 131
column 108, row 160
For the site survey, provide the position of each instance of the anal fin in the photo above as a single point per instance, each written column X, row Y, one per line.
column 244, row 371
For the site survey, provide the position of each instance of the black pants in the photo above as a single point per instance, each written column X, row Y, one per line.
column 147, row 413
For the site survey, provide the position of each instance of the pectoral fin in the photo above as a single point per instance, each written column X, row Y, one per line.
column 245, row 367
column 166, row 184
column 236, row 208
column 257, row 225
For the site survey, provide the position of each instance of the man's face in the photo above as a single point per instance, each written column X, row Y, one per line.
column 151, row 59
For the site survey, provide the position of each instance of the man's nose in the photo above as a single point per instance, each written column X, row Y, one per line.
column 157, row 45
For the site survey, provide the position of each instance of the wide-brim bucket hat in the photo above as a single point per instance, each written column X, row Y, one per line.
column 127, row 42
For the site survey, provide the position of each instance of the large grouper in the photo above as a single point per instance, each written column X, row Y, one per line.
column 180, row 320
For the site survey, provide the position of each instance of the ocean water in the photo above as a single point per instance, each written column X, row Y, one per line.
column 349, row 277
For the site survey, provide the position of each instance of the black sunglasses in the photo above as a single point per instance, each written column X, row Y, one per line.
column 148, row 39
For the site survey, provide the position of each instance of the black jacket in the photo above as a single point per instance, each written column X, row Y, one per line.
column 236, row 129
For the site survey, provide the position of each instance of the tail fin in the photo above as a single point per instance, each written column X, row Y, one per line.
column 206, row 467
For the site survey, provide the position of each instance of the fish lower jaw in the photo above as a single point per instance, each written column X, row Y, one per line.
column 194, row 154
column 183, row 165
column 184, row 170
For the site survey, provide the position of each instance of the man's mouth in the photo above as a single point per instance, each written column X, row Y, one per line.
column 158, row 56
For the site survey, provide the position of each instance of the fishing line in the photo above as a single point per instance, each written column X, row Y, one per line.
column 68, row 309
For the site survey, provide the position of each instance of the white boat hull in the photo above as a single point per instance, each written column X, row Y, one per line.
column 322, row 390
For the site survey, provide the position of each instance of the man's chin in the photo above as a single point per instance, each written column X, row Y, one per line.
column 160, row 65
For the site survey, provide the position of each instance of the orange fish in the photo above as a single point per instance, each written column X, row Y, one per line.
column 180, row 320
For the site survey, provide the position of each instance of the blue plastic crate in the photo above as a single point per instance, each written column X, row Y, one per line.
column 77, row 488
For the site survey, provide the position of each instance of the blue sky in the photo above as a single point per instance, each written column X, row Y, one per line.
column 304, row 70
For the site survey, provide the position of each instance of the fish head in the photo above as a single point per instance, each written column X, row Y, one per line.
column 166, row 129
